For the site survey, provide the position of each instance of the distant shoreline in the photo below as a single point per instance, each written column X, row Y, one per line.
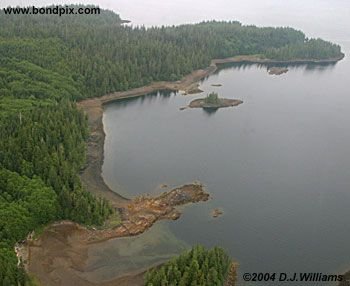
column 255, row 59
column 74, row 247
column 91, row 176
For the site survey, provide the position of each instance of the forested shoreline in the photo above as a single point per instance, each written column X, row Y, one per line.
column 195, row 267
column 47, row 63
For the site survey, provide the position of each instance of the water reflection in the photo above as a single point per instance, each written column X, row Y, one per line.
column 121, row 256
column 308, row 67
column 166, row 95
column 210, row 111
column 163, row 95
column 265, row 162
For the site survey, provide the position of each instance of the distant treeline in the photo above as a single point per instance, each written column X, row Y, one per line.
column 48, row 62
column 100, row 55
column 310, row 49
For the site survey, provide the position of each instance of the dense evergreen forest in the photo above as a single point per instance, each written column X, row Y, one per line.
column 49, row 62
column 41, row 152
column 196, row 267
column 100, row 55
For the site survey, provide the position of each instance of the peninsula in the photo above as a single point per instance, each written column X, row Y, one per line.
column 56, row 76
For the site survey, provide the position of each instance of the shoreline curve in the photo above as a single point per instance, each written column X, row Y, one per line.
column 91, row 176
column 75, row 247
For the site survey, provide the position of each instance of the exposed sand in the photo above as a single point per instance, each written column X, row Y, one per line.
column 64, row 253
column 60, row 258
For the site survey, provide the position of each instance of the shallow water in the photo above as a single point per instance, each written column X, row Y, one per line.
column 126, row 256
column 278, row 164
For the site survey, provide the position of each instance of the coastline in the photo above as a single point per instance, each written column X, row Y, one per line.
column 255, row 59
column 91, row 176
column 62, row 249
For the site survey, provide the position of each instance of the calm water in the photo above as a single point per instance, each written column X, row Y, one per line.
column 278, row 165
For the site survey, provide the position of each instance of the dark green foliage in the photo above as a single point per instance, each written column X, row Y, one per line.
column 199, row 267
column 44, row 148
column 25, row 204
column 10, row 105
column 24, row 79
column 50, row 142
column 310, row 49
column 103, row 56
column 47, row 62
column 212, row 98
column 10, row 274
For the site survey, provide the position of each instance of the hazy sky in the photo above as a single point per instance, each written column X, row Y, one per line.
column 324, row 18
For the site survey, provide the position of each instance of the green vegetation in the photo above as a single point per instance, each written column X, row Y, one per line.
column 212, row 99
column 50, row 143
column 24, row 204
column 10, row 273
column 310, row 49
column 196, row 267
column 47, row 63
column 95, row 54
column 44, row 148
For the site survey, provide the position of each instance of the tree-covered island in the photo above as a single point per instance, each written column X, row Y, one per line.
column 213, row 101
column 48, row 63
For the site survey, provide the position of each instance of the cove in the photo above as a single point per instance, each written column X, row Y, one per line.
column 278, row 165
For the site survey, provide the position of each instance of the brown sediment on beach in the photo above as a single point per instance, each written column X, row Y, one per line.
column 257, row 59
column 91, row 176
column 345, row 279
column 59, row 256
column 142, row 212
column 93, row 107
column 232, row 275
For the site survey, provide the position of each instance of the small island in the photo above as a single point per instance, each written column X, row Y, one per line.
column 212, row 101
column 277, row 70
